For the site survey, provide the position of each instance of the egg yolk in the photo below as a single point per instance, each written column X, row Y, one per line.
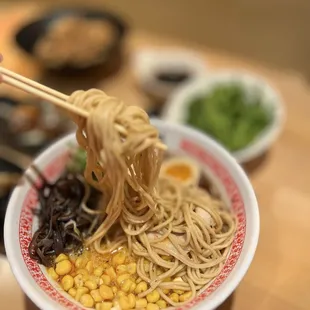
column 180, row 171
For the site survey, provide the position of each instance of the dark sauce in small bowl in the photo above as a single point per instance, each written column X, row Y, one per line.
column 172, row 77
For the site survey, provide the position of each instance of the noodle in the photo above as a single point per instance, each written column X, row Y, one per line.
column 160, row 217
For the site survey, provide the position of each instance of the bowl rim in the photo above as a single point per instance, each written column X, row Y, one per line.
column 36, row 295
column 182, row 94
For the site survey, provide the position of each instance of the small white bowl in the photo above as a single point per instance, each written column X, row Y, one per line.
column 222, row 170
column 175, row 110
column 148, row 62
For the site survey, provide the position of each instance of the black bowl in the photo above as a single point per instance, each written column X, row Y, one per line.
column 29, row 34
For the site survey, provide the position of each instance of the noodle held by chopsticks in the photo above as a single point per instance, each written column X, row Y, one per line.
column 180, row 232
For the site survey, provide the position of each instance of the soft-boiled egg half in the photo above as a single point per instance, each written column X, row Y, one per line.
column 182, row 169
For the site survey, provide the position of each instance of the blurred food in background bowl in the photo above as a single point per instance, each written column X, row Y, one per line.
column 73, row 39
column 159, row 71
column 239, row 110
column 29, row 126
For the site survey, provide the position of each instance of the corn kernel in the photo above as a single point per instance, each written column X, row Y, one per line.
column 87, row 301
column 124, row 303
column 132, row 268
column 151, row 306
column 98, row 271
column 72, row 292
column 138, row 280
column 52, row 273
column 63, row 267
column 60, row 258
column 114, row 289
column 153, row 296
column 166, row 291
column 179, row 292
column 67, row 282
column 120, row 293
column 94, row 279
column 126, row 285
column 116, row 303
column 106, row 279
column 84, row 273
column 89, row 267
column 131, row 301
column 121, row 269
column 120, row 279
column 161, row 304
column 80, row 292
column 78, row 280
column 132, row 287
column 80, row 262
column 95, row 294
column 105, row 266
column 166, row 258
column 104, row 306
column 141, row 287
column 141, row 303
column 174, row 297
column 106, row 292
column 91, row 285
column 111, row 272
column 119, row 258
column 185, row 296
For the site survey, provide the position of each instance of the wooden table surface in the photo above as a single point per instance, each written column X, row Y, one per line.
column 279, row 276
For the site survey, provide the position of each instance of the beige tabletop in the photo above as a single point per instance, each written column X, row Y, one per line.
column 279, row 276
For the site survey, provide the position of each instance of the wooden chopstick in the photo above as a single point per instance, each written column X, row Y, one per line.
column 32, row 83
column 51, row 95
column 41, row 92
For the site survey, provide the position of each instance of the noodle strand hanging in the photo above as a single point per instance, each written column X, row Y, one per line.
column 176, row 232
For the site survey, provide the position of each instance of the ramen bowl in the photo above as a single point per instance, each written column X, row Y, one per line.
column 220, row 167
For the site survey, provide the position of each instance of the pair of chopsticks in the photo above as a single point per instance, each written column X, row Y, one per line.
column 57, row 98
column 39, row 90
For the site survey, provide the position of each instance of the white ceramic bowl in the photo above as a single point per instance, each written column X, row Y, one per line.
column 221, row 168
column 148, row 62
column 175, row 110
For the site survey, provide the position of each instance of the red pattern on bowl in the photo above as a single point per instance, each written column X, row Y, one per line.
column 55, row 168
